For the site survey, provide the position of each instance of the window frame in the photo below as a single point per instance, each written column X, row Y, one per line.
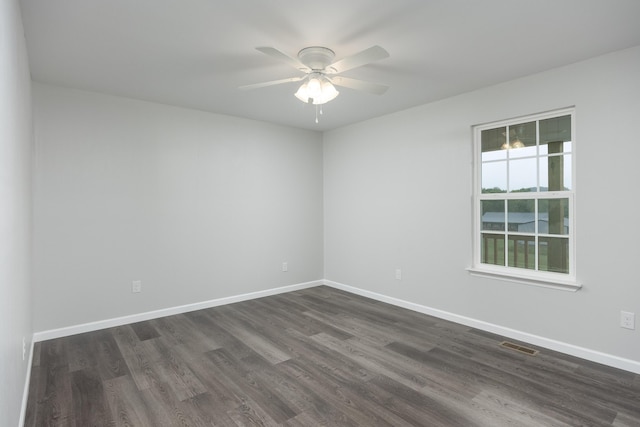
column 564, row 281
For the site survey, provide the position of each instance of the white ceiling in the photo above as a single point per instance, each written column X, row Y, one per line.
column 195, row 53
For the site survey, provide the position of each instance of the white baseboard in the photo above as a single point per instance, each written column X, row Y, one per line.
column 573, row 350
column 124, row 320
column 562, row 347
column 25, row 391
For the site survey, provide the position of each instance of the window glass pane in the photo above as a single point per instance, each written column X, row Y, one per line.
column 522, row 252
column 555, row 173
column 555, row 135
column 553, row 254
column 553, row 216
column 493, row 216
column 494, row 144
column 523, row 175
column 494, row 177
column 567, row 173
column 521, row 215
column 522, row 140
column 492, row 251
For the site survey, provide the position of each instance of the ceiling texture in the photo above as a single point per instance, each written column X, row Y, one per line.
column 196, row 53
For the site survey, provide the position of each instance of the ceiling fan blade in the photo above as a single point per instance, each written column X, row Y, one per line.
column 271, row 83
column 281, row 56
column 374, row 53
column 374, row 88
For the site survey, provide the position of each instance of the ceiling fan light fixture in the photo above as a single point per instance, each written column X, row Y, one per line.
column 314, row 87
column 329, row 91
column 316, row 90
column 517, row 143
column 303, row 93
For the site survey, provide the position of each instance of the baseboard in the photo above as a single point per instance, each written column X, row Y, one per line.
column 25, row 392
column 562, row 347
column 573, row 350
column 119, row 321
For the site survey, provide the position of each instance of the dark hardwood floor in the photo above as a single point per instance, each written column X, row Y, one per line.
column 316, row 357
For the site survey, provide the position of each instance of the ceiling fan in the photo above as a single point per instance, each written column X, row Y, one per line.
column 321, row 72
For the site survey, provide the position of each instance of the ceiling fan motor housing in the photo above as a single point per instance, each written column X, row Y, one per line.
column 316, row 57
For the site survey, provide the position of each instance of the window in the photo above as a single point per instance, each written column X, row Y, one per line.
column 524, row 199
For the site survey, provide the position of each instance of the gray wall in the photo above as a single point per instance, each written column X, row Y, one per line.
column 197, row 206
column 202, row 206
column 398, row 195
column 16, row 151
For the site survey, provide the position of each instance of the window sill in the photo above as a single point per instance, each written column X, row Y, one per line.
column 545, row 282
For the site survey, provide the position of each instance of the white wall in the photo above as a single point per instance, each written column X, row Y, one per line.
column 197, row 206
column 15, row 211
column 398, row 195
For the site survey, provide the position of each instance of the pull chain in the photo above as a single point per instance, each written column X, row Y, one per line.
column 318, row 110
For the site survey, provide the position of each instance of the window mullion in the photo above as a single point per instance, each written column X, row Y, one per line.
column 536, row 209
column 537, row 234
column 506, row 228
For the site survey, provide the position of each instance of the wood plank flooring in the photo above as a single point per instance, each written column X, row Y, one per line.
column 316, row 357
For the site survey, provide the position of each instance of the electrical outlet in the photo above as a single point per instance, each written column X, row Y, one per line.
column 398, row 274
column 136, row 286
column 627, row 320
column 24, row 348
column 285, row 266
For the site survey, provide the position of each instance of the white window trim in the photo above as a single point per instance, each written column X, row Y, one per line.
column 567, row 282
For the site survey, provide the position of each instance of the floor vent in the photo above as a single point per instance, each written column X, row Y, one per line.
column 521, row 349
